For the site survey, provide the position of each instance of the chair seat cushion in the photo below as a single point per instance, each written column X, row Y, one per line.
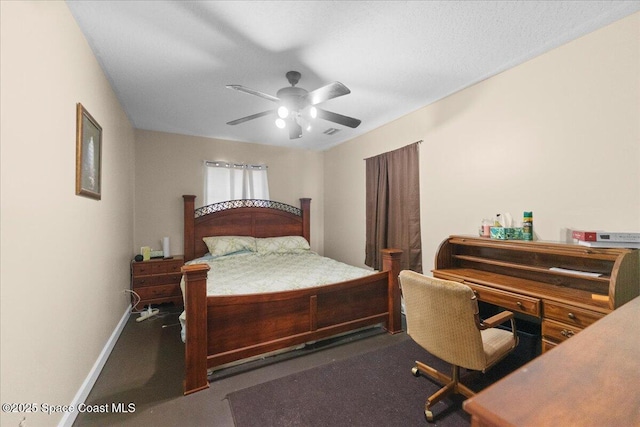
column 497, row 343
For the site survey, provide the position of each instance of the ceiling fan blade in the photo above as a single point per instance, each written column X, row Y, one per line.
column 251, row 117
column 325, row 93
column 338, row 118
column 240, row 88
column 295, row 130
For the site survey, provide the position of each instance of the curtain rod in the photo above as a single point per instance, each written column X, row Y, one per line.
column 417, row 142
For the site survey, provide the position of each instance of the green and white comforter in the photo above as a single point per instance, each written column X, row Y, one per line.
column 252, row 273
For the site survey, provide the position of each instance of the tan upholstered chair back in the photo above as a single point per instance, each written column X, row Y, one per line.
column 440, row 318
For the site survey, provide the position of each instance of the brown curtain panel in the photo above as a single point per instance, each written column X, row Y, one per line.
column 393, row 207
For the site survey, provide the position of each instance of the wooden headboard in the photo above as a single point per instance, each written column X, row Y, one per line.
column 257, row 218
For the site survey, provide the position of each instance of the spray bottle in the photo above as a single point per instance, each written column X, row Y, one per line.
column 527, row 226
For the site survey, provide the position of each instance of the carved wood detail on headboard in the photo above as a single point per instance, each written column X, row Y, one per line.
column 257, row 218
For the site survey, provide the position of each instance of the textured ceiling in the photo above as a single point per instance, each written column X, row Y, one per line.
column 169, row 61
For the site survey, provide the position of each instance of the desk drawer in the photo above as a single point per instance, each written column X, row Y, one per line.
column 572, row 316
column 508, row 300
column 558, row 332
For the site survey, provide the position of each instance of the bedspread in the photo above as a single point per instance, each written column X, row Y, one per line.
column 251, row 273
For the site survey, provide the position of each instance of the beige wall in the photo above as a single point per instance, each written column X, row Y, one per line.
column 558, row 135
column 65, row 258
column 170, row 165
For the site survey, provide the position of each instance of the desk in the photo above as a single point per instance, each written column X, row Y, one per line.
column 568, row 287
column 593, row 379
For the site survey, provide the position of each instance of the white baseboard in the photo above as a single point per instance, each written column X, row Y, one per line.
column 70, row 416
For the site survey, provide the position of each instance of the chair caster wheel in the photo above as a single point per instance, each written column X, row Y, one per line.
column 415, row 371
column 429, row 415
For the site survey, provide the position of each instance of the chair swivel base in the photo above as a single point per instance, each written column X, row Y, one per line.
column 451, row 385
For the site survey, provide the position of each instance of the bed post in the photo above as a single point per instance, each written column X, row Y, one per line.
column 195, row 301
column 391, row 263
column 305, row 205
column 189, row 207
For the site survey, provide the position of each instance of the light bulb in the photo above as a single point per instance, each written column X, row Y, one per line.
column 313, row 112
column 283, row 112
column 280, row 123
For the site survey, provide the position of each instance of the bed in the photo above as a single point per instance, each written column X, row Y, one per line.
column 225, row 328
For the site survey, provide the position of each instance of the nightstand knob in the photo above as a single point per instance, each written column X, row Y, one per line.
column 571, row 316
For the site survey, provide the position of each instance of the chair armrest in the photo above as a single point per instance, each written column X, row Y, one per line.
column 496, row 320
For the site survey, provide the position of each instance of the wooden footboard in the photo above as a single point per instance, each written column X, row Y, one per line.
column 223, row 329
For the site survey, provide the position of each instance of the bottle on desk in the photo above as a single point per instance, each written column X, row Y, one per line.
column 527, row 226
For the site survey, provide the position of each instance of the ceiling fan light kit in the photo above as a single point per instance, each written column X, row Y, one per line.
column 297, row 106
column 283, row 112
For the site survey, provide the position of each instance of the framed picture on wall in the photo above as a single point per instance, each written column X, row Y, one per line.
column 88, row 154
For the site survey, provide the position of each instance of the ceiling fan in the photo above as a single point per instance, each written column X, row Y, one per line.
column 297, row 107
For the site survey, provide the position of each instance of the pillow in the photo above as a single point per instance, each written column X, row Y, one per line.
column 224, row 245
column 282, row 245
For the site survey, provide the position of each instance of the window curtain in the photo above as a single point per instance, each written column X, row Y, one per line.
column 393, row 207
column 231, row 181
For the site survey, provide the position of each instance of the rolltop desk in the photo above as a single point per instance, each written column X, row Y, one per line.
column 567, row 286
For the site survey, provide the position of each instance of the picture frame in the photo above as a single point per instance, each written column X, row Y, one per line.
column 88, row 155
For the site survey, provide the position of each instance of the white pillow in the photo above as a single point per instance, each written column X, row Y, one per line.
column 282, row 245
column 224, row 245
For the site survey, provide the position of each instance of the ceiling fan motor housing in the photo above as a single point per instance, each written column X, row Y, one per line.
column 294, row 98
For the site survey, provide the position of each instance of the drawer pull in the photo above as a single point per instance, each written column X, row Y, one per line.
column 566, row 333
column 519, row 304
column 571, row 316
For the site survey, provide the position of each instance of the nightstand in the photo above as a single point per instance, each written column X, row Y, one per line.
column 157, row 281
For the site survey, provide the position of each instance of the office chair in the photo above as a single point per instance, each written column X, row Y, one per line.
column 442, row 317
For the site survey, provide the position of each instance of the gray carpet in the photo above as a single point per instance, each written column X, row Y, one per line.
column 373, row 389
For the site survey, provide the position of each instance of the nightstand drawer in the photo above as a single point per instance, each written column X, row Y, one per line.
column 157, row 279
column 166, row 279
column 142, row 268
column 143, row 281
column 167, row 266
column 153, row 292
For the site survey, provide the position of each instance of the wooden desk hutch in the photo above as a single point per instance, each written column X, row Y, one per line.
column 518, row 276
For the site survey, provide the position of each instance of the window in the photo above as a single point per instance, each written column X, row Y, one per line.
column 228, row 181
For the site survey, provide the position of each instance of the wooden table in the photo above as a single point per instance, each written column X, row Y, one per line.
column 592, row 379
